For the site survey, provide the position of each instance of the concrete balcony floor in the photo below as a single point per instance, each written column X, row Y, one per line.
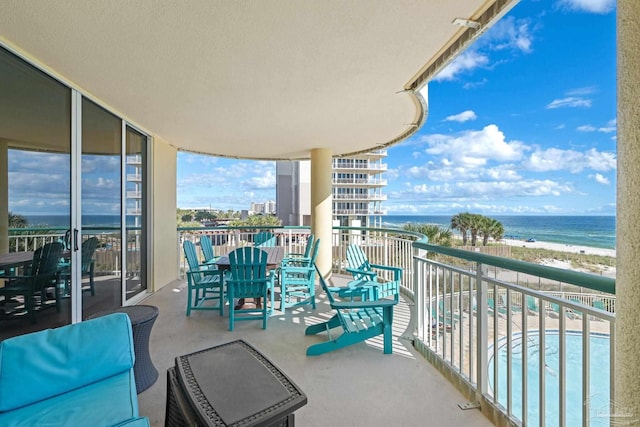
column 354, row 386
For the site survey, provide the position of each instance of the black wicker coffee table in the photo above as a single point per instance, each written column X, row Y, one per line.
column 232, row 384
column 142, row 318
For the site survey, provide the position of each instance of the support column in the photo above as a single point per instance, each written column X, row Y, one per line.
column 627, row 380
column 4, row 197
column 321, row 209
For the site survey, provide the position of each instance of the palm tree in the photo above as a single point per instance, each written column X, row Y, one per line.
column 475, row 223
column 491, row 228
column 461, row 222
column 436, row 235
column 17, row 221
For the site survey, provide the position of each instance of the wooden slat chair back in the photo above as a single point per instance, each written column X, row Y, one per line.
column 249, row 278
column 88, row 263
column 298, row 281
column 207, row 250
column 204, row 284
column 35, row 287
column 359, row 320
column 296, row 257
column 361, row 269
column 264, row 239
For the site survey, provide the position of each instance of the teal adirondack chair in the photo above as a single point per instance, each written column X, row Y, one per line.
column 359, row 320
column 35, row 288
column 204, row 283
column 298, row 281
column 249, row 279
column 89, row 247
column 207, row 250
column 264, row 239
column 361, row 269
column 297, row 258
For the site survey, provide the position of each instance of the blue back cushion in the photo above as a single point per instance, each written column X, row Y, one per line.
column 43, row 364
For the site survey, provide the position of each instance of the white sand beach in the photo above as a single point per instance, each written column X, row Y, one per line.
column 560, row 247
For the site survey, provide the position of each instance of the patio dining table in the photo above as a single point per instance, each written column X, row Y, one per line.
column 274, row 258
column 15, row 260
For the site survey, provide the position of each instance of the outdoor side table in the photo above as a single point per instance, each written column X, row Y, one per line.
column 232, row 384
column 142, row 318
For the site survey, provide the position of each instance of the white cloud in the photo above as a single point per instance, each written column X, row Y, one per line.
column 484, row 190
column 591, row 6
column 554, row 159
column 474, row 148
column 510, row 33
column 466, row 61
column 582, row 91
column 571, row 101
column 267, row 180
column 473, row 85
column 462, row 117
column 600, row 178
column 608, row 128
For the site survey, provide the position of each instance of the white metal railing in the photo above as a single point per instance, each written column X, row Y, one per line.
column 360, row 181
column 360, row 166
column 134, row 177
column 510, row 343
column 359, row 212
column 134, row 194
column 376, row 197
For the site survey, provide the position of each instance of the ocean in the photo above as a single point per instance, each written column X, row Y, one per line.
column 593, row 231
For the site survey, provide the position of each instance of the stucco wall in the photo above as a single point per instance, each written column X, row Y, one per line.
column 164, row 199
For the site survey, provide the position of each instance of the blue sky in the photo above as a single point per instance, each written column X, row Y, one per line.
column 523, row 122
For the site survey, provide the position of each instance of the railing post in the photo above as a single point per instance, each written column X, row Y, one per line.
column 482, row 332
column 419, row 297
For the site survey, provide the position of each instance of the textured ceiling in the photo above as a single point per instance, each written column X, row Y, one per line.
column 267, row 79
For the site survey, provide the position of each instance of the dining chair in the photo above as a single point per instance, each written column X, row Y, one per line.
column 298, row 280
column 264, row 239
column 207, row 250
column 248, row 278
column 204, row 283
column 38, row 288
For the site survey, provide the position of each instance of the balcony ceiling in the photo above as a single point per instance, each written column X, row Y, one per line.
column 269, row 79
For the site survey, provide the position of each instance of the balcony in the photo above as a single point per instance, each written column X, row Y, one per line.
column 359, row 167
column 134, row 194
column 134, row 160
column 358, row 197
column 359, row 182
column 451, row 314
column 375, row 211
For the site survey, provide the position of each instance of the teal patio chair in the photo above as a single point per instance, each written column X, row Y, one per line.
column 532, row 306
column 204, row 283
column 298, row 281
column 87, row 268
column 249, row 278
column 264, row 239
column 361, row 269
column 37, row 290
column 207, row 250
column 300, row 257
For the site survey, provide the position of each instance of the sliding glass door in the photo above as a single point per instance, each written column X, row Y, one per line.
column 73, row 177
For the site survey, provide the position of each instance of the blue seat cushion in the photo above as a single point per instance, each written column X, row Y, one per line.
column 41, row 365
column 109, row 402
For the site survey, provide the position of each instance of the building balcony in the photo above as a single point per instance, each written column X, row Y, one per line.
column 359, row 182
column 134, row 178
column 134, row 211
column 359, row 167
column 350, row 212
column 134, row 160
column 360, row 197
column 134, row 194
column 450, row 314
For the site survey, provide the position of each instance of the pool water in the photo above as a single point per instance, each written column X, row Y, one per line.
column 599, row 378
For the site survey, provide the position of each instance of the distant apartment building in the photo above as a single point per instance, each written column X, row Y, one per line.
column 357, row 190
column 268, row 207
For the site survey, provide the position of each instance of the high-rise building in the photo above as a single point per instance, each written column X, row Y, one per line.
column 357, row 190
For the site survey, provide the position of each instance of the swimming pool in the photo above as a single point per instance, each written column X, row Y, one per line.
column 599, row 377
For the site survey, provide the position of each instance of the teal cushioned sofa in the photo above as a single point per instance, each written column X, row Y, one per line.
column 75, row 375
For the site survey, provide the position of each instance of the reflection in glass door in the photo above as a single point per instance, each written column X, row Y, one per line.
column 100, row 191
column 35, row 195
column 135, row 196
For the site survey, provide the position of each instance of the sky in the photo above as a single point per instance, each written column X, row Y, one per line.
column 523, row 122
